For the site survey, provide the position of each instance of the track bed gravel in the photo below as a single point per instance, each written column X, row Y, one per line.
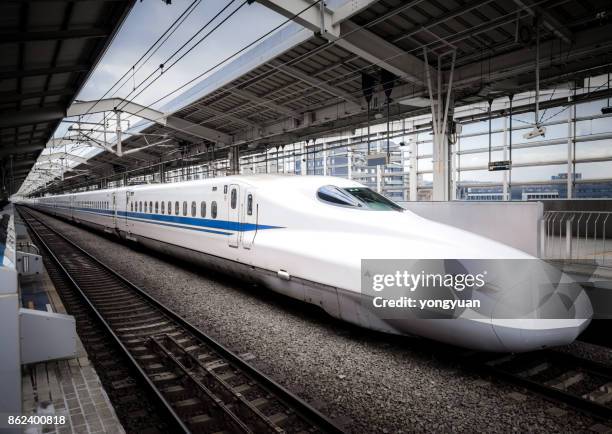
column 372, row 382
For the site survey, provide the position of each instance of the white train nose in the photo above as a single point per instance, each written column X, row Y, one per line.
column 528, row 334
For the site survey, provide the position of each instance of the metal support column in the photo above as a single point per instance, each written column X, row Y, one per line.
column 505, row 194
column 571, row 114
column 414, row 179
column 440, row 110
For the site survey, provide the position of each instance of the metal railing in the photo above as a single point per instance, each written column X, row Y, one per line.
column 577, row 236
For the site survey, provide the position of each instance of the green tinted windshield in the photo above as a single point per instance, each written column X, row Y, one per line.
column 373, row 200
column 356, row 197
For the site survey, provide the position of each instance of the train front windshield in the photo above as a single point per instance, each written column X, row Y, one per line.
column 357, row 197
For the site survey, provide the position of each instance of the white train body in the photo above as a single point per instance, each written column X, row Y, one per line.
column 279, row 233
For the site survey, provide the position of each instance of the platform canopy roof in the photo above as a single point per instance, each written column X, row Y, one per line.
column 306, row 80
column 48, row 48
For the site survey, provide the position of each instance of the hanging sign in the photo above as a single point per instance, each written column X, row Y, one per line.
column 499, row 165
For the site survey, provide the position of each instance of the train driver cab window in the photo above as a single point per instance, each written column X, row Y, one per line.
column 356, row 197
column 163, row 211
column 213, row 209
column 250, row 204
column 233, row 198
column 176, row 208
column 184, row 207
column 193, row 209
column 156, row 207
column 203, row 209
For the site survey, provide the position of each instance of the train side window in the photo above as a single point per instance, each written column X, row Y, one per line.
column 184, row 207
column 131, row 207
column 203, row 209
column 156, row 207
column 233, row 198
column 250, row 204
column 151, row 206
column 146, row 207
column 163, row 205
column 176, row 208
column 193, row 209
column 213, row 209
column 169, row 207
column 140, row 206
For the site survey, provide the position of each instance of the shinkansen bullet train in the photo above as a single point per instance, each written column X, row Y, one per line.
column 305, row 237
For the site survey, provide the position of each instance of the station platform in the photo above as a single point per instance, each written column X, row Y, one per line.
column 68, row 387
column 64, row 387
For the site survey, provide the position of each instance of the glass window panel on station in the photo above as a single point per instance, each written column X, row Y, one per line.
column 481, row 176
column 424, row 164
column 537, row 173
column 425, row 148
column 594, row 149
column 425, row 180
column 590, row 108
column 480, row 141
column 544, row 154
column 557, row 131
column 593, row 126
column 478, row 160
column 594, row 170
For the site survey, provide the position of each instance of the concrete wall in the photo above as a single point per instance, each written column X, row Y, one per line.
column 513, row 223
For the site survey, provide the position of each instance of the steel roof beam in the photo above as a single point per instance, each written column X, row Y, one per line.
column 279, row 108
column 58, row 35
column 314, row 81
column 31, row 116
column 549, row 21
column 14, row 150
column 15, row 96
column 586, row 43
column 152, row 115
column 351, row 8
column 218, row 114
column 44, row 71
column 352, row 38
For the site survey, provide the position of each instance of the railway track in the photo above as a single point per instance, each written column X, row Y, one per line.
column 580, row 383
column 199, row 385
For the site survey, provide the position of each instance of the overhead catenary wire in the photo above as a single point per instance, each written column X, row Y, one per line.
column 226, row 60
column 164, row 68
column 293, row 60
column 152, row 48
column 290, row 62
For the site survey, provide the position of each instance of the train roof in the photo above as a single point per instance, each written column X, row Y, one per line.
column 259, row 180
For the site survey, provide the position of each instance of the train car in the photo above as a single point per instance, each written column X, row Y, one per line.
column 306, row 237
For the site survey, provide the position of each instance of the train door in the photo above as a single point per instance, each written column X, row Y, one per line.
column 128, row 203
column 249, row 219
column 114, row 202
column 233, row 214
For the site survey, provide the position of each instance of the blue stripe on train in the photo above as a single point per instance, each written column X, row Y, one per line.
column 168, row 220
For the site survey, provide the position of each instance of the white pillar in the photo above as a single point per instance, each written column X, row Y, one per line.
column 505, row 157
column 349, row 162
column 414, row 180
column 324, row 159
column 571, row 113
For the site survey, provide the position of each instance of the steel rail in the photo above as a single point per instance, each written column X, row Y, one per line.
column 295, row 404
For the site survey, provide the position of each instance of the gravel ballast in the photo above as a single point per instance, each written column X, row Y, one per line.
column 369, row 381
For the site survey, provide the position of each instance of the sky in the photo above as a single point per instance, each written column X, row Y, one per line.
column 147, row 22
